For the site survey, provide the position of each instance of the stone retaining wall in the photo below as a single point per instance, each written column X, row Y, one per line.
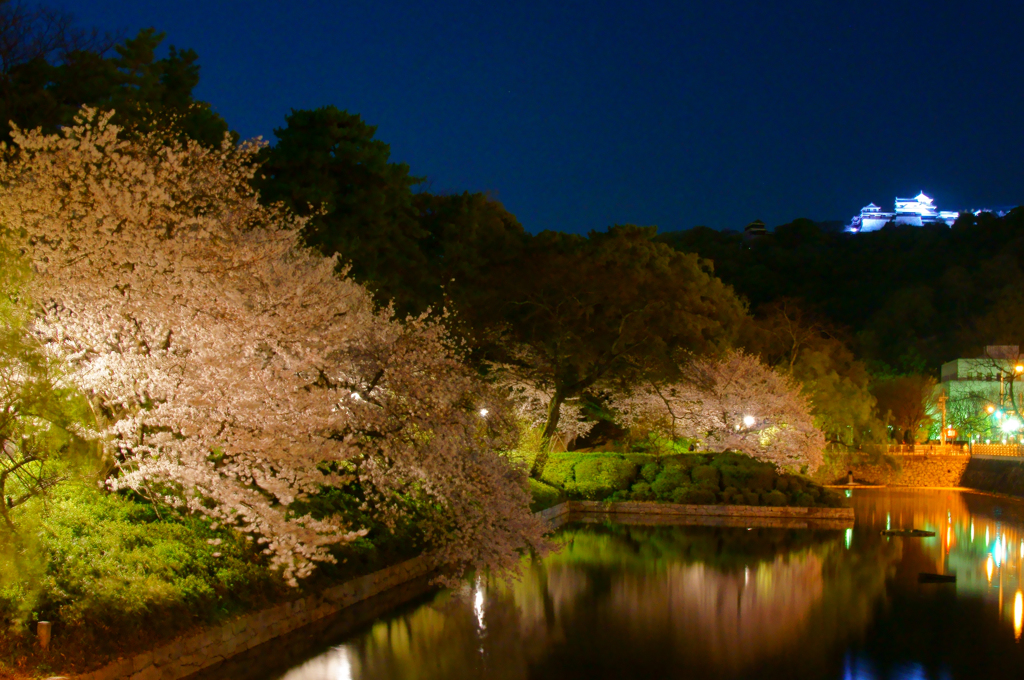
column 189, row 654
column 996, row 474
column 916, row 470
column 654, row 508
column 649, row 512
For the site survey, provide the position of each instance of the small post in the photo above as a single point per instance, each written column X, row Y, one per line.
column 43, row 630
column 942, row 430
column 849, row 477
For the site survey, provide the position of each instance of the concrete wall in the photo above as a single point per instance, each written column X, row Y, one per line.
column 996, row 474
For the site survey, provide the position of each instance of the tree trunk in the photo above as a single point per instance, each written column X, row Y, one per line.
column 554, row 409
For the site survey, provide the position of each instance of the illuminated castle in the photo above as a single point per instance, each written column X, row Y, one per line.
column 916, row 211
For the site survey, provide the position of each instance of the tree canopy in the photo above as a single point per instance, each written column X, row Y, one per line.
column 49, row 69
column 572, row 312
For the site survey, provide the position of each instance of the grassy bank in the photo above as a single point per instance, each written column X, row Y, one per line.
column 700, row 479
column 114, row 575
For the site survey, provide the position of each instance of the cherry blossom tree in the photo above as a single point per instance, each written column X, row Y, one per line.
column 532, row 401
column 235, row 372
column 735, row 403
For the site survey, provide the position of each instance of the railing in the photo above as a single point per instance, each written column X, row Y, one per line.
column 1009, row 450
column 929, row 450
column 998, row 450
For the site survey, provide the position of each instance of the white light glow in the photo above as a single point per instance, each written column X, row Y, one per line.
column 484, row 412
column 1011, row 424
column 478, row 605
column 356, row 396
column 749, row 421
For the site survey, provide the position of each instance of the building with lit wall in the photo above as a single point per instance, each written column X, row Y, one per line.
column 916, row 212
column 982, row 395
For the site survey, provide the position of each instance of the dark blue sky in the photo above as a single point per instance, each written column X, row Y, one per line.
column 578, row 115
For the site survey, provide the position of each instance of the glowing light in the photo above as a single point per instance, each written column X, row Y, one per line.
column 849, row 493
column 849, row 538
column 888, row 521
column 1022, row 550
column 989, row 566
column 478, row 605
column 1011, row 424
column 356, row 396
column 990, row 408
column 1019, row 368
column 484, row 412
column 749, row 421
column 972, row 531
column 1018, row 615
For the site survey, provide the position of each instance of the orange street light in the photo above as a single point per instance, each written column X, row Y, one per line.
column 990, row 408
column 1019, row 368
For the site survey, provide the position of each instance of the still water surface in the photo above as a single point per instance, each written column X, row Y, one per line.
column 634, row 601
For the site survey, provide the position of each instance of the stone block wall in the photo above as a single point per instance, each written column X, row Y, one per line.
column 916, row 470
column 996, row 474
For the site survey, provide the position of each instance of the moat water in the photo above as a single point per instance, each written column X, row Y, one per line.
column 634, row 601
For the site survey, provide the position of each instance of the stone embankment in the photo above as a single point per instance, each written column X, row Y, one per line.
column 914, row 470
column 995, row 474
column 632, row 512
column 190, row 654
column 205, row 649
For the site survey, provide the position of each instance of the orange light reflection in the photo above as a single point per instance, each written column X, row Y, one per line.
column 1018, row 614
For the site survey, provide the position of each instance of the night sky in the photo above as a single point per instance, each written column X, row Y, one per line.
column 579, row 115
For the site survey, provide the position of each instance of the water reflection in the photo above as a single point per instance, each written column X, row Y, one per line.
column 712, row 602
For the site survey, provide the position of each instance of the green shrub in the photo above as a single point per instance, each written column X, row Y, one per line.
column 670, row 479
column 558, row 472
column 544, row 495
column 804, row 500
column 776, row 498
column 642, row 492
column 650, row 471
column 700, row 495
column 680, row 494
column 597, row 478
column 761, row 479
column 735, row 475
column 705, row 475
column 638, row 476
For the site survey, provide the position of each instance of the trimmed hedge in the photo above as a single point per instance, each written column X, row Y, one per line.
column 693, row 478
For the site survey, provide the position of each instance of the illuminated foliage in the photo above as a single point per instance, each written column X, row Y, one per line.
column 735, row 403
column 233, row 371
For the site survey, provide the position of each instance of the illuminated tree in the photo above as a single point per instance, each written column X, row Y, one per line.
column 735, row 403
column 41, row 432
column 232, row 371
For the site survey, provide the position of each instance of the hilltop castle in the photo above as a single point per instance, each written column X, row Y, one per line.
column 916, row 212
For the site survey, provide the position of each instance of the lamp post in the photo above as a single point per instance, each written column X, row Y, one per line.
column 942, row 409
